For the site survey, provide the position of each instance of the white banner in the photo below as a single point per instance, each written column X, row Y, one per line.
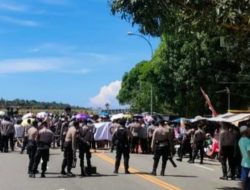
column 103, row 131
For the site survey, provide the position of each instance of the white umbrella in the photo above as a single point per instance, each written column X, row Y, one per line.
column 117, row 116
column 198, row 118
column 27, row 115
column 41, row 115
column 25, row 122
column 2, row 113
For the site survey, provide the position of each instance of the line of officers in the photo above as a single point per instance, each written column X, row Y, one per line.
column 162, row 144
column 78, row 135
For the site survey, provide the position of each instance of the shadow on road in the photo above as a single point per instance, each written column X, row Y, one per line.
column 58, row 175
column 228, row 188
column 187, row 176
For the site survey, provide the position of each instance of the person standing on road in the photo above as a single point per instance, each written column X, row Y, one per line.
column 5, row 129
column 160, row 146
column 226, row 142
column 63, row 132
column 84, row 139
column 244, row 145
column 121, row 140
column 135, row 128
column 198, row 143
column 32, row 145
column 44, row 139
column 69, row 149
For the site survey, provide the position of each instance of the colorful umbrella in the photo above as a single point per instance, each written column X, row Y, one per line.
column 82, row 116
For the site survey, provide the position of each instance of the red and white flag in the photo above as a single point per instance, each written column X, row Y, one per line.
column 208, row 101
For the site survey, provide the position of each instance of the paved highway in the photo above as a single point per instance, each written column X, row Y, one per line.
column 13, row 175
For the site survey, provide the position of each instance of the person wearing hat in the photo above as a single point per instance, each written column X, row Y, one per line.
column 5, row 129
column 70, row 148
column 227, row 141
column 44, row 139
column 32, row 145
column 244, row 144
column 121, row 140
column 84, row 139
column 160, row 146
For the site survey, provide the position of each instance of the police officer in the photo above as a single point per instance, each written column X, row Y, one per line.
column 135, row 128
column 113, row 128
column 160, row 146
column 198, row 143
column 85, row 137
column 32, row 145
column 70, row 148
column 44, row 139
column 121, row 140
column 63, row 132
column 5, row 128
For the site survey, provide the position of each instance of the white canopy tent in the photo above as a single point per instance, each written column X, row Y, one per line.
column 232, row 118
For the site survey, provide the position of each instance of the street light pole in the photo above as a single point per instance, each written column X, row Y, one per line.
column 151, row 49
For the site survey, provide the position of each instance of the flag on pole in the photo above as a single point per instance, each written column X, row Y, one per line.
column 208, row 101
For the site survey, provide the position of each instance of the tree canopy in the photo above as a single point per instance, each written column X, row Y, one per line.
column 204, row 43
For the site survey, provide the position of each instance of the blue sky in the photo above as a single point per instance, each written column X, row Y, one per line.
column 71, row 51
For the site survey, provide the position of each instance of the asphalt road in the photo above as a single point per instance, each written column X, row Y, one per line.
column 13, row 175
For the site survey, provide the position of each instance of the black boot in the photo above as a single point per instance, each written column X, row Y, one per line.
column 154, row 167
column 82, row 171
column 117, row 164
column 43, row 175
column 64, row 164
column 163, row 167
column 126, row 166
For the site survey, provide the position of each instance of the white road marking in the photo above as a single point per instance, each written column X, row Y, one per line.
column 204, row 167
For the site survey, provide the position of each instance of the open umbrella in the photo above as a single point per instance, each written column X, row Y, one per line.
column 2, row 113
column 103, row 114
column 82, row 116
column 25, row 122
column 27, row 115
column 41, row 115
column 117, row 116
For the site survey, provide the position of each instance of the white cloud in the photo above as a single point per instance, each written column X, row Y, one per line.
column 19, row 22
column 52, row 47
column 107, row 94
column 28, row 65
column 62, row 65
column 13, row 7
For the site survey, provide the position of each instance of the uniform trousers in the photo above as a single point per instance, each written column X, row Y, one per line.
column 41, row 153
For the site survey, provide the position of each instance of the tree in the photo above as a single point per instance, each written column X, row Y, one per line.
column 204, row 43
column 231, row 18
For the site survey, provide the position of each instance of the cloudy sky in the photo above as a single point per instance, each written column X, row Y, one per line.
column 71, row 51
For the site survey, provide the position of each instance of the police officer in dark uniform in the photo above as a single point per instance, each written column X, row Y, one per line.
column 121, row 140
column 85, row 137
column 161, row 146
column 44, row 139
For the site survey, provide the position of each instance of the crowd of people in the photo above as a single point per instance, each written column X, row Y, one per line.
column 229, row 144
